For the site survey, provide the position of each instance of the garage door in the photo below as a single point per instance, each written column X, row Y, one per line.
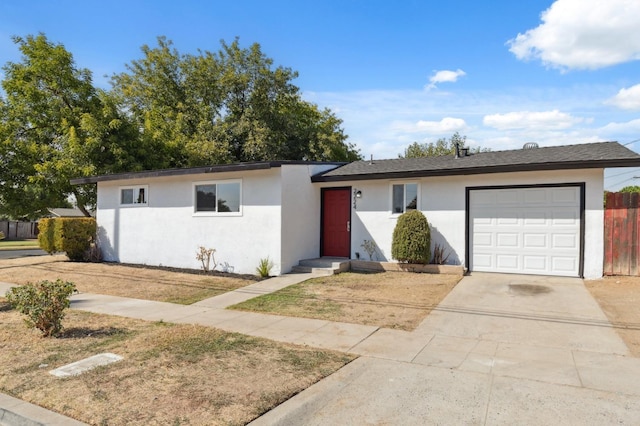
column 525, row 230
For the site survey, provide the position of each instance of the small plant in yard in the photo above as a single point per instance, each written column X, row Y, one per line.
column 43, row 303
column 370, row 247
column 440, row 255
column 1, row 235
column 411, row 238
column 93, row 254
column 264, row 267
column 207, row 258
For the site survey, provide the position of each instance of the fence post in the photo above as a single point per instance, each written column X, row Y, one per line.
column 608, row 234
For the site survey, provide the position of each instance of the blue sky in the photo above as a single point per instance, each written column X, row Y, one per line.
column 501, row 72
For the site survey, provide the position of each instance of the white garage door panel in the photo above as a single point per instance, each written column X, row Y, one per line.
column 525, row 230
column 535, row 263
column 535, row 241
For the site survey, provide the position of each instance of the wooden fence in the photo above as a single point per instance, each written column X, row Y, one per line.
column 621, row 220
column 14, row 230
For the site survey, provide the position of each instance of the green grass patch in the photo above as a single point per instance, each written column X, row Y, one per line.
column 294, row 300
column 19, row 244
column 194, row 296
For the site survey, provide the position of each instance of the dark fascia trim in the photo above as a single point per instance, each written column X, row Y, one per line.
column 237, row 167
column 589, row 164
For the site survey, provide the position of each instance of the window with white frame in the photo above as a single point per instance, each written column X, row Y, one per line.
column 217, row 197
column 134, row 195
column 404, row 197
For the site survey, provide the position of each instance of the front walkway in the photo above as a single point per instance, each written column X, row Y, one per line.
column 500, row 349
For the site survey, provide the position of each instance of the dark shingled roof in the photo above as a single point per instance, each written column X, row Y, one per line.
column 220, row 168
column 581, row 156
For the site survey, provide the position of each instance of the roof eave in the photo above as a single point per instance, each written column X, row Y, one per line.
column 238, row 167
column 593, row 164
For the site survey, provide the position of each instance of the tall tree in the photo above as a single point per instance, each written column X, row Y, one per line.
column 442, row 146
column 167, row 110
column 54, row 126
column 226, row 106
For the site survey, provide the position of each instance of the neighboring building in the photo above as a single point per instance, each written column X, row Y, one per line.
column 66, row 212
column 532, row 211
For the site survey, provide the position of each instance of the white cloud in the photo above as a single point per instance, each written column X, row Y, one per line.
column 444, row 76
column 629, row 128
column 383, row 123
column 583, row 34
column 541, row 120
column 627, row 98
column 446, row 125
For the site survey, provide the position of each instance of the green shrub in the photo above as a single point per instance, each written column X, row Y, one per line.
column 412, row 238
column 74, row 235
column 45, row 235
column 43, row 303
column 264, row 267
column 1, row 235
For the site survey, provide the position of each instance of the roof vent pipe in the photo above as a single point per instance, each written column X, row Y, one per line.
column 371, row 160
column 457, row 150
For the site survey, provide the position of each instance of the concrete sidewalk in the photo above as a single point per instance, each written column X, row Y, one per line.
column 15, row 412
column 212, row 313
column 500, row 349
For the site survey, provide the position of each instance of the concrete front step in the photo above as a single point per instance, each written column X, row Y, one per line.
column 300, row 269
column 323, row 265
column 340, row 263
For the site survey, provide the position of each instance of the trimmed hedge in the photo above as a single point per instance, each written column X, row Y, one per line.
column 412, row 238
column 72, row 235
column 45, row 235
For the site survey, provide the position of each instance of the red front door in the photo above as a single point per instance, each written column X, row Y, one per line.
column 336, row 222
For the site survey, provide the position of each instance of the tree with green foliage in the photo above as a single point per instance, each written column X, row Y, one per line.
column 442, row 146
column 631, row 188
column 54, row 126
column 226, row 106
column 167, row 110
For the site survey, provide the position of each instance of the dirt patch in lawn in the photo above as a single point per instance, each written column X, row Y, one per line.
column 619, row 298
column 399, row 300
column 171, row 374
column 121, row 280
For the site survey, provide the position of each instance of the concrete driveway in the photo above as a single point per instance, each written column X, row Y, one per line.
column 500, row 349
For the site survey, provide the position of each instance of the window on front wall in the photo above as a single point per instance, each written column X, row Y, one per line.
column 404, row 197
column 134, row 195
column 217, row 197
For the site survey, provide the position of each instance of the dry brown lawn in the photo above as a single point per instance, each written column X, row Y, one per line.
column 619, row 298
column 399, row 300
column 171, row 374
column 121, row 280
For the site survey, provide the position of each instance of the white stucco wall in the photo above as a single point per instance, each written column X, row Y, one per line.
column 166, row 231
column 300, row 214
column 442, row 199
